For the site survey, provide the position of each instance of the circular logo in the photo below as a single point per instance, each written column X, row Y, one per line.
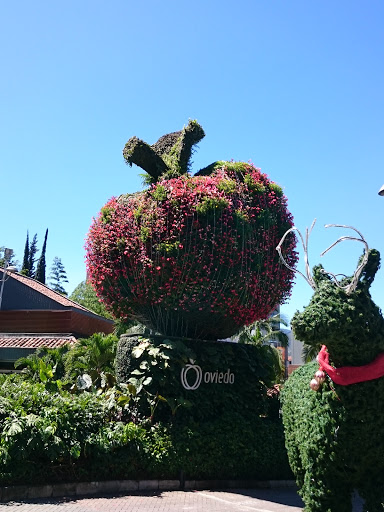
column 198, row 376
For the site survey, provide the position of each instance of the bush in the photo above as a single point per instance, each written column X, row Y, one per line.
column 158, row 362
column 229, row 447
column 40, row 429
column 55, row 437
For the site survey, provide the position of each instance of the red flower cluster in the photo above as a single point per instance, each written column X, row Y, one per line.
column 194, row 256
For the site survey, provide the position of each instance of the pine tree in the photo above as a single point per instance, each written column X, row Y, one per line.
column 31, row 257
column 58, row 276
column 25, row 268
column 41, row 264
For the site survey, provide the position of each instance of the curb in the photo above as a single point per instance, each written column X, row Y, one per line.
column 77, row 489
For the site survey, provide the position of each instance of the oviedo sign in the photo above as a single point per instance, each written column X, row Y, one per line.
column 192, row 376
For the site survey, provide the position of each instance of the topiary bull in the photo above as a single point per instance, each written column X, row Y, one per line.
column 333, row 409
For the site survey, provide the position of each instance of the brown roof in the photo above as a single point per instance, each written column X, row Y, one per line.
column 42, row 288
column 26, row 340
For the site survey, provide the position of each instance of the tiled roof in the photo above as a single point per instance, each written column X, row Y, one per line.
column 42, row 288
column 26, row 340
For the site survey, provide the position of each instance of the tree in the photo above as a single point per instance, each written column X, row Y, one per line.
column 310, row 352
column 41, row 264
column 31, row 256
column 85, row 295
column 25, row 267
column 265, row 331
column 58, row 276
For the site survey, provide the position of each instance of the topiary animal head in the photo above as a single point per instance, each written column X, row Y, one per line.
column 341, row 314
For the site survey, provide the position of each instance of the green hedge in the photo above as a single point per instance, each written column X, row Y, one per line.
column 159, row 362
column 56, row 437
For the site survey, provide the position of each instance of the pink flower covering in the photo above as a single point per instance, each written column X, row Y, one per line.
column 194, row 256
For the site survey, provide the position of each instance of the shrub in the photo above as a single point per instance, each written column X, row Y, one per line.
column 158, row 363
column 94, row 355
column 40, row 429
column 54, row 437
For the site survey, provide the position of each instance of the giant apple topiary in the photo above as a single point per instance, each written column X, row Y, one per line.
column 192, row 256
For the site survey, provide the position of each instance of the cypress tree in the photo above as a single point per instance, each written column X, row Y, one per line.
column 41, row 264
column 25, row 268
column 31, row 257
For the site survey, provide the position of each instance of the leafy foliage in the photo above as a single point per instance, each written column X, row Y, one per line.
column 156, row 363
column 56, row 437
column 85, row 295
column 94, row 355
column 265, row 331
column 46, row 365
column 232, row 447
column 39, row 427
column 90, row 360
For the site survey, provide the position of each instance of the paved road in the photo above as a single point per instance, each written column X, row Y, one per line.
column 235, row 500
column 255, row 500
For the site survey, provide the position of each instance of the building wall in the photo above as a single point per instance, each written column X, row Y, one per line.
column 295, row 348
column 81, row 324
column 35, row 321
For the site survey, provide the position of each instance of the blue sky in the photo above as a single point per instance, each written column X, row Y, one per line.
column 296, row 87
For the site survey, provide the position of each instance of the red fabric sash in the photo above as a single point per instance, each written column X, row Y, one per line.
column 351, row 374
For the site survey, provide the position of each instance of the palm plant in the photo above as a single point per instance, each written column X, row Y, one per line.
column 310, row 352
column 34, row 367
column 45, row 364
column 94, row 355
column 56, row 358
column 265, row 331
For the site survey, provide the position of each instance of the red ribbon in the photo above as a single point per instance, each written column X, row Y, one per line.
column 347, row 375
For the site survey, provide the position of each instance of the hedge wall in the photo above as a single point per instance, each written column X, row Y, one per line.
column 60, row 437
column 234, row 377
column 220, row 430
